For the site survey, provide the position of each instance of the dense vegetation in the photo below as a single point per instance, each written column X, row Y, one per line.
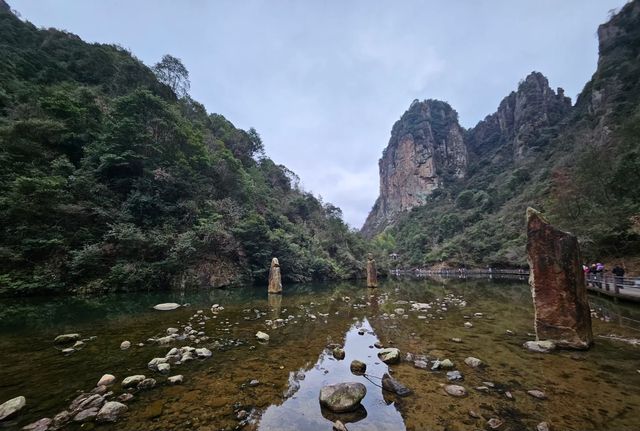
column 113, row 178
column 583, row 171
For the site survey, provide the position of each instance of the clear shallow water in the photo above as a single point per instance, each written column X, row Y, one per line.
column 587, row 390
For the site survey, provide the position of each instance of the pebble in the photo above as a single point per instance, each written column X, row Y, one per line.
column 125, row 345
column 494, row 423
column 468, row 325
column 473, row 362
column 454, row 375
column 262, row 336
column 455, row 390
column 537, row 394
column 543, row 426
column 457, row 340
column 175, row 380
column 253, row 383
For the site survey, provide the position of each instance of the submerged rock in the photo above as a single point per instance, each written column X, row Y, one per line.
column 455, row 390
column 558, row 287
column 535, row 393
column 389, row 355
column 454, row 375
column 392, row 385
column 473, row 362
column 11, row 407
column 342, row 397
column 167, row 306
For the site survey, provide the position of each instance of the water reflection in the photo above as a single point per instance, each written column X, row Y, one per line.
column 302, row 411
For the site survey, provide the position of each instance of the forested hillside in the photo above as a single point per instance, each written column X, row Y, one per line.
column 113, row 178
column 579, row 164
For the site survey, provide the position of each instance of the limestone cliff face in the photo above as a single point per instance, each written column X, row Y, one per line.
column 425, row 150
column 519, row 125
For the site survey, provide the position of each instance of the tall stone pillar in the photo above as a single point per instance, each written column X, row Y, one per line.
column 372, row 274
column 562, row 312
column 275, row 281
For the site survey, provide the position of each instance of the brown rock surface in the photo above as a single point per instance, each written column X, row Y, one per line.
column 372, row 273
column 558, row 288
column 275, row 281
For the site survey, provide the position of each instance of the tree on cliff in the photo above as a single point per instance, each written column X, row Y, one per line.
column 171, row 71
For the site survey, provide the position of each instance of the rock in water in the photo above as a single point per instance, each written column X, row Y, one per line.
column 66, row 338
column 562, row 312
column 11, row 407
column 41, row 425
column 358, row 367
column 342, row 397
column 338, row 353
column 455, row 390
column 167, row 306
column 372, row 273
column 262, row 336
column 275, row 280
column 339, row 426
column 473, row 362
column 390, row 355
column 132, row 380
column 106, row 380
column 111, row 411
column 392, row 385
column 539, row 346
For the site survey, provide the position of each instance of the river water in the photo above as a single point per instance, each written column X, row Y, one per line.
column 593, row 390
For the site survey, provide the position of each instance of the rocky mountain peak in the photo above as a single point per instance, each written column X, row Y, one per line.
column 425, row 150
column 522, row 118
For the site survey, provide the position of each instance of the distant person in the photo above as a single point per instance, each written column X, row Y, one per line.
column 618, row 271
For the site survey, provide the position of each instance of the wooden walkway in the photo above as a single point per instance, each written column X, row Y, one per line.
column 627, row 288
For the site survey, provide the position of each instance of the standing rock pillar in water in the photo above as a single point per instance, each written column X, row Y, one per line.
column 372, row 274
column 275, row 282
column 562, row 312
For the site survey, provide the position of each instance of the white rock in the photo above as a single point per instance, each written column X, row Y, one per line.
column 106, row 380
column 171, row 331
column 203, row 353
column 167, row 306
column 175, row 380
column 468, row 325
column 11, row 407
column 262, row 336
column 132, row 380
column 111, row 411
column 473, row 362
column 125, row 345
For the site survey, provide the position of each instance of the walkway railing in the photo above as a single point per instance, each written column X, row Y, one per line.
column 606, row 283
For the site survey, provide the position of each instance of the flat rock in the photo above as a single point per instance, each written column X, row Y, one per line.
column 544, row 346
column 455, row 390
column 147, row 384
column 203, row 353
column 389, row 355
column 454, row 375
column 175, row 380
column 111, row 411
column 86, row 415
column 66, row 338
column 392, row 385
column 535, row 393
column 473, row 362
column 40, row 425
column 342, row 397
column 132, row 380
column 495, row 423
column 11, row 407
column 167, row 306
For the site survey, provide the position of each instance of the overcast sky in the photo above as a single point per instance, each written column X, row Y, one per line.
column 324, row 81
